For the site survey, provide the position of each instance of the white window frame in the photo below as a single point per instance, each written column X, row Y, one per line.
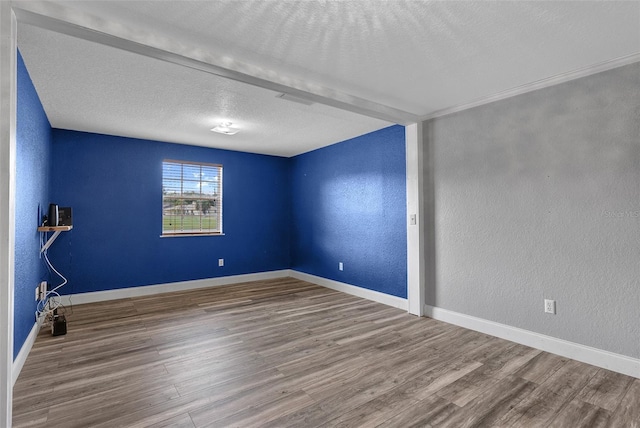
column 192, row 212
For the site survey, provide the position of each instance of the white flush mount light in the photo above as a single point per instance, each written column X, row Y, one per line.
column 226, row 128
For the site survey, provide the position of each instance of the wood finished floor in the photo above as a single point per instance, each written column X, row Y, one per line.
column 286, row 353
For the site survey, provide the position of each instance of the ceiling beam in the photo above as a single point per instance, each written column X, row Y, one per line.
column 64, row 20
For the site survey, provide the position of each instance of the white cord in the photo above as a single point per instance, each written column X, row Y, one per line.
column 64, row 280
column 51, row 298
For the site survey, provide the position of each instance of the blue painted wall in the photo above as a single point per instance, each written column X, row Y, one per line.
column 349, row 205
column 342, row 203
column 33, row 155
column 114, row 185
column 345, row 202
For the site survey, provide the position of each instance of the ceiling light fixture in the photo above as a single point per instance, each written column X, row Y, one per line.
column 226, row 128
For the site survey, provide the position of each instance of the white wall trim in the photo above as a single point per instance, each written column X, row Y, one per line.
column 147, row 290
column 8, row 107
column 586, row 354
column 376, row 296
column 415, row 209
column 21, row 358
column 539, row 84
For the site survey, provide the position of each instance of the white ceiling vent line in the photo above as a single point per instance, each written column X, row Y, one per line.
column 295, row 99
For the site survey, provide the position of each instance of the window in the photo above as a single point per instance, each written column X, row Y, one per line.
column 191, row 198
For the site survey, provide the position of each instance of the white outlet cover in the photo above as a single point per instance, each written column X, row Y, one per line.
column 550, row 306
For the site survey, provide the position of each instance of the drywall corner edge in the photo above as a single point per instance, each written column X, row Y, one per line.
column 416, row 218
column 8, row 109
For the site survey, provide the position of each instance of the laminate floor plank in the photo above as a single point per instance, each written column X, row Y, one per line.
column 605, row 389
column 535, row 410
column 156, row 414
column 322, row 411
column 570, row 379
column 179, row 421
column 419, row 388
column 498, row 364
column 325, row 359
column 489, row 407
column 580, row 414
column 228, row 384
column 31, row 418
column 256, row 415
column 297, row 350
column 442, row 375
column 373, row 412
column 551, row 397
column 96, row 409
column 627, row 414
column 287, row 353
column 328, row 379
column 359, row 388
column 231, row 404
column 67, row 395
column 470, row 386
column 429, row 412
column 540, row 367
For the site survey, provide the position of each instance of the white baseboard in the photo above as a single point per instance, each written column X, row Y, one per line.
column 21, row 358
column 147, row 290
column 597, row 357
column 376, row 296
column 586, row 354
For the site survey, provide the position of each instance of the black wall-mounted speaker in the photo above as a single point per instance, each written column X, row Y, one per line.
column 65, row 217
column 53, row 218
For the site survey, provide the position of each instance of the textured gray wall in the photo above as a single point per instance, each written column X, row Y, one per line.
column 538, row 196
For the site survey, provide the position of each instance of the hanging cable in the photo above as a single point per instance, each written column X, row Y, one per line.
column 52, row 299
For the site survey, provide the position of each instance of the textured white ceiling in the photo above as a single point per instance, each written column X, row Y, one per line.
column 416, row 56
column 89, row 87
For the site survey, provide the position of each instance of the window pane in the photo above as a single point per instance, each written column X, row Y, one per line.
column 171, row 223
column 171, row 187
column 172, row 170
column 191, row 198
column 191, row 172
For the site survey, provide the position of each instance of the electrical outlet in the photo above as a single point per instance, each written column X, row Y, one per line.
column 220, row 262
column 550, row 306
column 43, row 289
column 340, row 266
column 37, row 293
